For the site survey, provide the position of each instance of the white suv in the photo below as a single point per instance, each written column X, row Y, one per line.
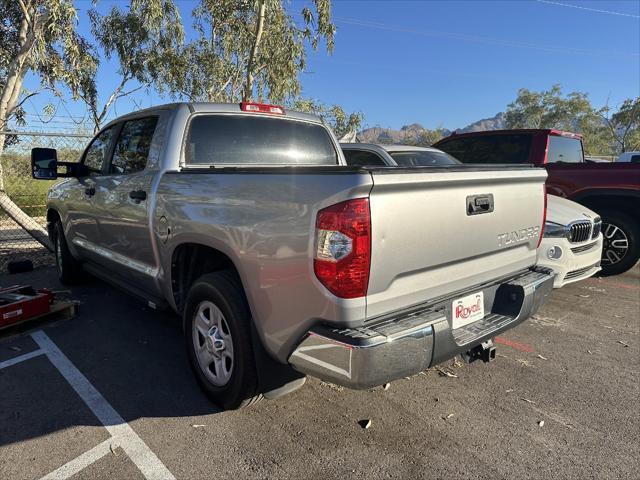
column 572, row 243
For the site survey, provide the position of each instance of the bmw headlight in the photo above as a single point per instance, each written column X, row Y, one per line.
column 555, row 230
column 597, row 227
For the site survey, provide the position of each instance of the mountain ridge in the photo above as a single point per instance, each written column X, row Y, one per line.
column 414, row 132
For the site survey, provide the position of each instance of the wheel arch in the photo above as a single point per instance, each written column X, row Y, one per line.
column 53, row 216
column 275, row 378
column 189, row 261
column 624, row 200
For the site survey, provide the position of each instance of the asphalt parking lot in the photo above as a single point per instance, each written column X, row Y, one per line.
column 109, row 394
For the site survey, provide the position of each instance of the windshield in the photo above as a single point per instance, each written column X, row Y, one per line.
column 422, row 158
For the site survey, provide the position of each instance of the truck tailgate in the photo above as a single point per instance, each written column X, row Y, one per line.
column 429, row 237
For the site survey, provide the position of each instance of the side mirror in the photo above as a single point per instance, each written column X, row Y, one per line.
column 44, row 163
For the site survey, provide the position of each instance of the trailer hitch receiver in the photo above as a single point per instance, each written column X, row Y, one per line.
column 486, row 352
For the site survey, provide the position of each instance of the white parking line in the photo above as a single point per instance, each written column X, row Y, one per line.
column 81, row 462
column 21, row 358
column 148, row 463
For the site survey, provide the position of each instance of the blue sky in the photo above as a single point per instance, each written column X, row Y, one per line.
column 449, row 63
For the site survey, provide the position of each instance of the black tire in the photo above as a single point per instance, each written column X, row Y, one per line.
column 223, row 289
column 629, row 229
column 69, row 269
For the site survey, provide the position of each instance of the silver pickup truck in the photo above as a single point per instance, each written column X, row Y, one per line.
column 282, row 260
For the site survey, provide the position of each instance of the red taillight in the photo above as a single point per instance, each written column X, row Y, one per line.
column 343, row 248
column 544, row 214
column 261, row 108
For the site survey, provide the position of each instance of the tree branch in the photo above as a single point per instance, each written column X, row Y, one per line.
column 25, row 11
column 133, row 90
column 112, row 98
column 225, row 85
column 254, row 51
column 21, row 102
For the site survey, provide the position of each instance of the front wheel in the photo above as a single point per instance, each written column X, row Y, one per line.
column 218, row 340
column 621, row 242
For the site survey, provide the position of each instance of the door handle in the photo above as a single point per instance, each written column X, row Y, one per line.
column 138, row 195
column 90, row 191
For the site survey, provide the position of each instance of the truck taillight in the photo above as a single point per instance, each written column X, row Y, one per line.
column 544, row 214
column 261, row 108
column 343, row 248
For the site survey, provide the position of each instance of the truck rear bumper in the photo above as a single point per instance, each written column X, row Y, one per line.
column 410, row 341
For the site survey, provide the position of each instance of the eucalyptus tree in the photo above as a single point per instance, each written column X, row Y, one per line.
column 624, row 125
column 341, row 122
column 548, row 109
column 37, row 36
column 139, row 36
column 551, row 109
column 247, row 49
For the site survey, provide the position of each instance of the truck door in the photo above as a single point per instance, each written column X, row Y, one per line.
column 81, row 225
column 123, row 205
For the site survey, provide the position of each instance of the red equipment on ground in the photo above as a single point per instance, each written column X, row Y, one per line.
column 22, row 302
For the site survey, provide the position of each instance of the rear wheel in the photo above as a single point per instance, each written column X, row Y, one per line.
column 621, row 242
column 218, row 340
column 69, row 269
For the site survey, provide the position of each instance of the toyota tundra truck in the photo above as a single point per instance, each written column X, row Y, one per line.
column 283, row 261
column 610, row 189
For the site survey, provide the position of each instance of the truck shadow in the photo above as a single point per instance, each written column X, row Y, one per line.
column 132, row 355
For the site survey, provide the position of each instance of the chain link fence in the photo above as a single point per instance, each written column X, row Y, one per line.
column 29, row 194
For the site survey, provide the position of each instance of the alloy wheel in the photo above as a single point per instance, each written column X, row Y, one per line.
column 213, row 343
column 615, row 244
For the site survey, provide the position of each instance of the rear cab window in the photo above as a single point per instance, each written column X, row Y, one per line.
column 564, row 150
column 219, row 139
column 499, row 148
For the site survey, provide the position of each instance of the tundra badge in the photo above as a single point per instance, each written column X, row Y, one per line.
column 516, row 236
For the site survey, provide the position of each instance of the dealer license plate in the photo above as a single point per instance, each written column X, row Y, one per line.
column 467, row 310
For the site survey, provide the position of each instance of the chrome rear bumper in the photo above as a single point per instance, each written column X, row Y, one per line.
column 408, row 342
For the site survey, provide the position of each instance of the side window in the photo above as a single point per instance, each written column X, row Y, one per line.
column 98, row 151
column 564, row 150
column 133, row 145
column 362, row 158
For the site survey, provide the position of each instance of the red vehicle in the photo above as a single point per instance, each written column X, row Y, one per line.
column 610, row 189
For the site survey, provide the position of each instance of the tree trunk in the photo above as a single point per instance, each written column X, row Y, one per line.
column 33, row 228
column 248, row 89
